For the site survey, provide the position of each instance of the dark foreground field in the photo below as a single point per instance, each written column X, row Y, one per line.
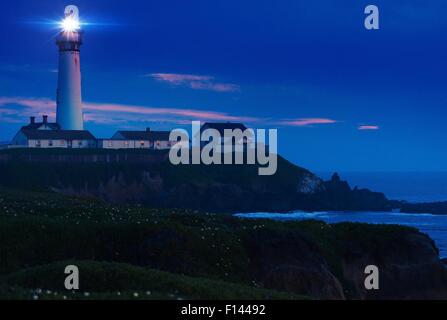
column 134, row 252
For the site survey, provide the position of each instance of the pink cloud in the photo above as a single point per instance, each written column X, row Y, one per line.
column 118, row 113
column 196, row 82
column 218, row 87
column 303, row 122
column 368, row 127
column 188, row 113
column 35, row 103
column 32, row 107
column 6, row 111
column 178, row 78
column 125, row 114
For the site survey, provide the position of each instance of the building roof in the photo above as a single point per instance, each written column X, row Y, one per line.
column 145, row 135
column 221, row 126
column 135, row 135
column 58, row 134
column 37, row 125
column 159, row 135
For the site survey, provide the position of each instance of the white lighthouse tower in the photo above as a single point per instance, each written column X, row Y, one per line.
column 69, row 102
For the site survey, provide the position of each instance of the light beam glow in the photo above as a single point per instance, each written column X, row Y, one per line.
column 70, row 24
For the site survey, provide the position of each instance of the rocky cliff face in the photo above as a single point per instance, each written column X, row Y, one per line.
column 408, row 263
column 336, row 194
column 291, row 262
column 213, row 188
column 409, row 269
column 309, row 184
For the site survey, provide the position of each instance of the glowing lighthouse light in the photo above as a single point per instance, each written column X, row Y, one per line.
column 70, row 25
column 71, row 21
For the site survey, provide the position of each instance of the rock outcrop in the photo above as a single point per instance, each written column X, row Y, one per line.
column 408, row 263
column 409, row 268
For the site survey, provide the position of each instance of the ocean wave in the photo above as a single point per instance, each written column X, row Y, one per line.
column 328, row 214
column 281, row 216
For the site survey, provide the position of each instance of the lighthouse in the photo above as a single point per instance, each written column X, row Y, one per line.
column 69, row 99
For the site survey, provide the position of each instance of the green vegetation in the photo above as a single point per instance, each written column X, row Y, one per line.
column 120, row 281
column 160, row 184
column 172, row 253
column 41, row 175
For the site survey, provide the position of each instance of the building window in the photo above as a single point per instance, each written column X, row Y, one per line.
column 50, row 143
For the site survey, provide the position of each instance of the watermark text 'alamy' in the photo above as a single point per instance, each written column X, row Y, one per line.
column 210, row 147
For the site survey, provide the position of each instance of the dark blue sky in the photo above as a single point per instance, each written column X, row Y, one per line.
column 308, row 68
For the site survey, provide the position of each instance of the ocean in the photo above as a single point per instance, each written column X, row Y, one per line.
column 433, row 225
column 408, row 186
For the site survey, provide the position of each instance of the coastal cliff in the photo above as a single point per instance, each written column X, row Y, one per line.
column 157, row 183
column 186, row 254
column 101, row 216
